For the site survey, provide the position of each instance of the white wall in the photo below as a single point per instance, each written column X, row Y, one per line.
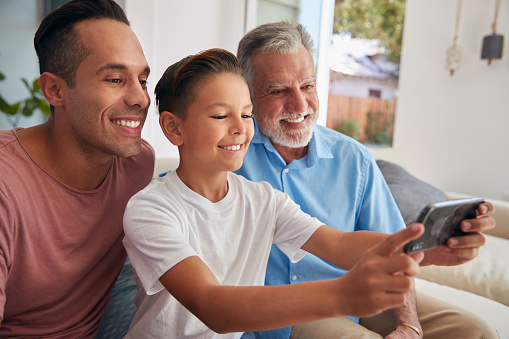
column 455, row 128
column 19, row 20
column 171, row 30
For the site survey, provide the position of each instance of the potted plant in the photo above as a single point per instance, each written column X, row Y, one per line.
column 26, row 107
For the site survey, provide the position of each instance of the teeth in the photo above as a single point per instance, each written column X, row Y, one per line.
column 295, row 120
column 128, row 123
column 232, row 148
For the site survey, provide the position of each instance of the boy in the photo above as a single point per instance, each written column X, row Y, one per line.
column 199, row 238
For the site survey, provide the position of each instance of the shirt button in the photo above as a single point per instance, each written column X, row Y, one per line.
column 286, row 170
column 294, row 277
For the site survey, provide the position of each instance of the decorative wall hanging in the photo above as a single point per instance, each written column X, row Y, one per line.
column 492, row 45
column 454, row 52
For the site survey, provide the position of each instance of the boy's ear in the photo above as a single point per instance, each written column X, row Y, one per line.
column 51, row 87
column 170, row 125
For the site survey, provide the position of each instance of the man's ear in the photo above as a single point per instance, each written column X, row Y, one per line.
column 170, row 125
column 51, row 87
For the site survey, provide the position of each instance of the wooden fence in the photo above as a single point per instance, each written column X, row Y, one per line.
column 342, row 108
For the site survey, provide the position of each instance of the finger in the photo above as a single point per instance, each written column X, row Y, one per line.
column 402, row 264
column 486, row 208
column 464, row 254
column 481, row 224
column 418, row 257
column 396, row 284
column 474, row 240
column 396, row 241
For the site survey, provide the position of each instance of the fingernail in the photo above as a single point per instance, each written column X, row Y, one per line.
column 483, row 209
column 467, row 226
column 414, row 227
column 453, row 242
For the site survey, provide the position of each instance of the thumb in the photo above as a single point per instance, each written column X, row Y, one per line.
column 396, row 241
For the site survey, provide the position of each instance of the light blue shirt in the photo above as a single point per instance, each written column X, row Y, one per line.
column 337, row 182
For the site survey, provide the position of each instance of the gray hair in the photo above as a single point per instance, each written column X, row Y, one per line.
column 279, row 37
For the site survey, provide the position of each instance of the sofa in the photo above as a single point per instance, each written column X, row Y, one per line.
column 481, row 286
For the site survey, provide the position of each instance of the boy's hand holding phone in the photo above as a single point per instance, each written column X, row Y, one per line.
column 383, row 276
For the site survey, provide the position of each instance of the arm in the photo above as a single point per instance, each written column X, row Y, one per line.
column 406, row 314
column 352, row 243
column 460, row 250
column 230, row 308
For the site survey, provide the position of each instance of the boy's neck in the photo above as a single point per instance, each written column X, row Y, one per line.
column 212, row 187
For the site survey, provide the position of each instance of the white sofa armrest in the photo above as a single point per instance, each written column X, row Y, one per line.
column 164, row 165
column 486, row 275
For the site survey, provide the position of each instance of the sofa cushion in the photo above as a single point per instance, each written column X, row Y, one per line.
column 121, row 307
column 410, row 193
column 486, row 275
column 495, row 314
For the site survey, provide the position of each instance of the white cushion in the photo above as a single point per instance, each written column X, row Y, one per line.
column 494, row 313
column 487, row 275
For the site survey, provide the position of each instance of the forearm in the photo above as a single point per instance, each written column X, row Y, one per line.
column 342, row 249
column 408, row 312
column 243, row 309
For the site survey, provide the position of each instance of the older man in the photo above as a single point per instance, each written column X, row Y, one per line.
column 333, row 178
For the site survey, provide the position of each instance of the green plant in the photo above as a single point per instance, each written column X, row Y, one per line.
column 379, row 129
column 348, row 127
column 26, row 107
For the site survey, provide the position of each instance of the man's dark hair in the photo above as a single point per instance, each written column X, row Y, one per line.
column 58, row 44
column 175, row 90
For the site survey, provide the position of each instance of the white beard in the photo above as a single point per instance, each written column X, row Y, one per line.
column 294, row 138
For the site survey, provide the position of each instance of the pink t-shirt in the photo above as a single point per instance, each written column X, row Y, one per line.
column 60, row 248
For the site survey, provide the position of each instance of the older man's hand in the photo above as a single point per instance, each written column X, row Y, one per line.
column 460, row 250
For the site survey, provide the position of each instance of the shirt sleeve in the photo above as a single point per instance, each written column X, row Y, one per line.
column 293, row 227
column 153, row 239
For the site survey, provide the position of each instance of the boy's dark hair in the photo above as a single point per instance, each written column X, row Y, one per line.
column 58, row 44
column 174, row 92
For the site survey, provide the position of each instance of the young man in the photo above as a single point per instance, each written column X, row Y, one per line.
column 65, row 183
column 334, row 179
column 199, row 238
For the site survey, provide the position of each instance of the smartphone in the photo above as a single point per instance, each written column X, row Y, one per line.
column 442, row 221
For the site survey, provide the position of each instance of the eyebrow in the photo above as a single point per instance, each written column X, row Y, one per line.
column 109, row 67
column 283, row 84
column 224, row 105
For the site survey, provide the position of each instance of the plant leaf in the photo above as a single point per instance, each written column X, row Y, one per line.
column 30, row 106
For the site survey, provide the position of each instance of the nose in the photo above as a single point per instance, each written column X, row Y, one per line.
column 137, row 95
column 297, row 102
column 238, row 126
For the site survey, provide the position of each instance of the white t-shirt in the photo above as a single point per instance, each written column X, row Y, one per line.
column 167, row 222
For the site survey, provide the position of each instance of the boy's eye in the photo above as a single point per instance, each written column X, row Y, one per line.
column 115, row 81
column 246, row 116
column 219, row 117
column 143, row 82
